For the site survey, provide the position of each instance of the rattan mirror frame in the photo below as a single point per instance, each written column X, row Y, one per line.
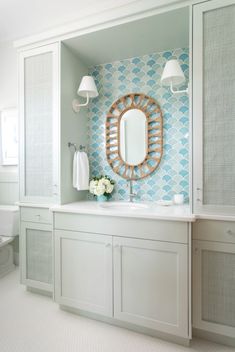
column 154, row 118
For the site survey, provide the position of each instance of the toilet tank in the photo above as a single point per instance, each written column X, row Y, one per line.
column 9, row 220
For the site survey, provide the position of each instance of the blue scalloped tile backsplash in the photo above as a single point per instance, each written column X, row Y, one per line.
column 142, row 75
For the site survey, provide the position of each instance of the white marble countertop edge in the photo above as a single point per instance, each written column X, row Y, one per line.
column 155, row 212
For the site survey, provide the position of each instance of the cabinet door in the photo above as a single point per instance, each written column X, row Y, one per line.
column 151, row 284
column 36, row 255
column 39, row 120
column 83, row 263
column 214, row 287
column 213, row 107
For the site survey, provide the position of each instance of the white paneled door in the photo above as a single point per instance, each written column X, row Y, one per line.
column 83, row 268
column 151, row 283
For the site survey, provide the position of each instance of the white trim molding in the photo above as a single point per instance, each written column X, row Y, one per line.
column 103, row 19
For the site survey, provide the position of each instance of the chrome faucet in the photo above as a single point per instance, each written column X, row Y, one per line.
column 131, row 194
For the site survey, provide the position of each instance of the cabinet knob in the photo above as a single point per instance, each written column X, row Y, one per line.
column 230, row 233
column 38, row 216
column 199, row 190
column 108, row 245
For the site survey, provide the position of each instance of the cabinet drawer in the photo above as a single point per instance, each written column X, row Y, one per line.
column 172, row 231
column 39, row 215
column 214, row 230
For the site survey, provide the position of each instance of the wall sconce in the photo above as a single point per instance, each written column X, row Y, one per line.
column 87, row 89
column 173, row 75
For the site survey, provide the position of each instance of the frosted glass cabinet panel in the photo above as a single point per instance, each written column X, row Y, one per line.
column 39, row 120
column 38, row 125
column 214, row 287
column 213, row 106
column 36, row 255
column 39, row 255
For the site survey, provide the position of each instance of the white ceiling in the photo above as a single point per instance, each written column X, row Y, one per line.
column 157, row 33
column 20, row 18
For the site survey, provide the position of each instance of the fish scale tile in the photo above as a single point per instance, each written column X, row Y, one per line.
column 142, row 74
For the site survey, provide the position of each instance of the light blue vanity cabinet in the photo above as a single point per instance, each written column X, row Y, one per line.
column 132, row 271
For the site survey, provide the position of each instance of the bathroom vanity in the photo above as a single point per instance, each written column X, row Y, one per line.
column 131, row 266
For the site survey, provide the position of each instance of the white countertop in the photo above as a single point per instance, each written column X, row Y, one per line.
column 153, row 211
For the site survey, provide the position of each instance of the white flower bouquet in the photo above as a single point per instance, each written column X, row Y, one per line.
column 101, row 186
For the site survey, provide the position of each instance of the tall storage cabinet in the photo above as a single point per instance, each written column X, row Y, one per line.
column 39, row 124
column 213, row 107
column 214, row 167
column 48, row 79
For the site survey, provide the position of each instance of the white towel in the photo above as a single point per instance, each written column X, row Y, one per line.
column 80, row 171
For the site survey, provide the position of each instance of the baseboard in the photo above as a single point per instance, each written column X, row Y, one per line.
column 16, row 259
column 142, row 330
column 39, row 292
column 217, row 338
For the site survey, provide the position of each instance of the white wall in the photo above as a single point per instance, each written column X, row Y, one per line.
column 8, row 99
column 8, row 75
column 73, row 125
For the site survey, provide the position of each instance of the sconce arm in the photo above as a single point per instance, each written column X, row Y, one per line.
column 178, row 91
column 76, row 105
column 87, row 101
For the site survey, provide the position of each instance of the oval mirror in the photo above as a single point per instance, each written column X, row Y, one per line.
column 133, row 137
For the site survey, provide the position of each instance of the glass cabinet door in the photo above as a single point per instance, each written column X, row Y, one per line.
column 214, row 287
column 37, row 255
column 213, row 107
column 39, row 120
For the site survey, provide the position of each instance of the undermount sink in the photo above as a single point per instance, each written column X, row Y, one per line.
column 124, row 206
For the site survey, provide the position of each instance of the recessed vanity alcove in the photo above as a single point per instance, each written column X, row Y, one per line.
column 130, row 264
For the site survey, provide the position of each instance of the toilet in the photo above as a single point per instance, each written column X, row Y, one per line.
column 9, row 229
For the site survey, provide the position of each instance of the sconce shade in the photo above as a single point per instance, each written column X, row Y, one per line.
column 87, row 87
column 172, row 73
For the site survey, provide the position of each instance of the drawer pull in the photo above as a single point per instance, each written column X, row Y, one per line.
column 38, row 217
column 230, row 233
column 108, row 245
